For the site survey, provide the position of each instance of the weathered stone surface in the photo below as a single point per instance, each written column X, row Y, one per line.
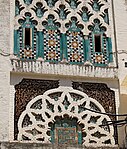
column 4, row 68
column 18, row 145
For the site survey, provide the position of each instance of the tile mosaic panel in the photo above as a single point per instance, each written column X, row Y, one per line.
column 52, row 45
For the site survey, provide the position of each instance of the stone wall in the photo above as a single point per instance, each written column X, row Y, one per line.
column 18, row 145
column 120, row 10
column 4, row 68
column 120, row 16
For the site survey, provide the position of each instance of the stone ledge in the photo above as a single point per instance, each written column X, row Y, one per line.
column 41, row 67
column 19, row 145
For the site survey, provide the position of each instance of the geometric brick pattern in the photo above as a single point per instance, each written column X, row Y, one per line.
column 75, row 49
column 51, row 45
column 20, row 31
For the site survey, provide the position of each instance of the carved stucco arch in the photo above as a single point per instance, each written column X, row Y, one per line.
column 27, row 8
column 29, row 124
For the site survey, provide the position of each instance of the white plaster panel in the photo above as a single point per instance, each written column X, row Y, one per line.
column 120, row 9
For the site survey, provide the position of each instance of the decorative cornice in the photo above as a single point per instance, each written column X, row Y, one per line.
column 41, row 67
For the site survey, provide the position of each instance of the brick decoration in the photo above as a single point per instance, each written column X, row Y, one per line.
column 25, row 91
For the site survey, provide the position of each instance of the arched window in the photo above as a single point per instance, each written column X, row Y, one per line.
column 26, row 38
column 100, row 45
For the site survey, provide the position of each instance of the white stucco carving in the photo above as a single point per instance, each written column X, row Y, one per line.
column 40, row 111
